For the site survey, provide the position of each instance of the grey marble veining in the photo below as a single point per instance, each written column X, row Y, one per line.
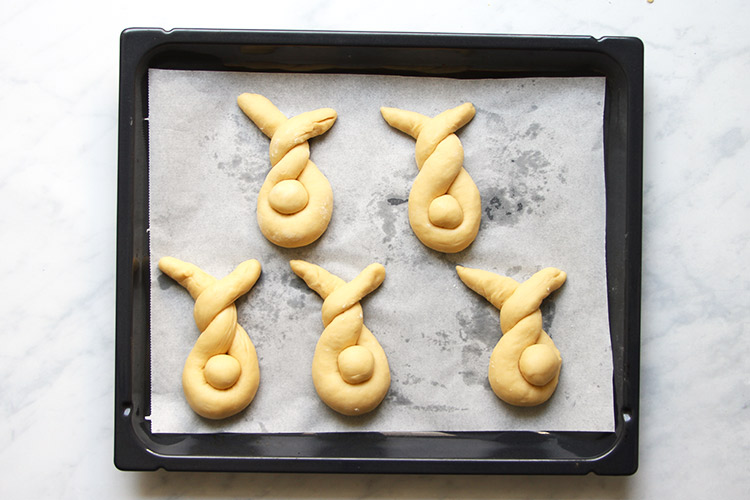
column 58, row 96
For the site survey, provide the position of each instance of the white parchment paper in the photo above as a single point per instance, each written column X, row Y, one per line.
column 535, row 151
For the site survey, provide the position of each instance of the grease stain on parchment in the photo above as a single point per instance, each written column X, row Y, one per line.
column 386, row 209
column 394, row 396
column 479, row 328
column 249, row 172
column 526, row 191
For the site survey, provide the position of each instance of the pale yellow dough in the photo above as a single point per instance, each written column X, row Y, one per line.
column 445, row 207
column 349, row 369
column 295, row 202
column 525, row 364
column 221, row 373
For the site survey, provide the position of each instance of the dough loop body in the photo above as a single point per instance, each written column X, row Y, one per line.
column 350, row 369
column 525, row 364
column 445, row 207
column 221, row 373
column 295, row 202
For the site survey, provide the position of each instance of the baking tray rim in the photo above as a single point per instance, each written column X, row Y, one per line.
column 137, row 449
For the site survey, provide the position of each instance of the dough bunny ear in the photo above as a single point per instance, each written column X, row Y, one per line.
column 493, row 287
column 295, row 202
column 445, row 207
column 350, row 369
column 408, row 122
column 525, row 364
column 221, row 373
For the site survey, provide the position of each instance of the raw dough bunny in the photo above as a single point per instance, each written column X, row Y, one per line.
column 221, row 373
column 349, row 369
column 295, row 202
column 445, row 208
column 525, row 364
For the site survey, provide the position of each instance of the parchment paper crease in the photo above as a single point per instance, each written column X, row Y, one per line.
column 535, row 152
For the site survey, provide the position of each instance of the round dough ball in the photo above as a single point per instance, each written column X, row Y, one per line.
column 222, row 371
column 288, row 197
column 445, row 212
column 539, row 364
column 356, row 364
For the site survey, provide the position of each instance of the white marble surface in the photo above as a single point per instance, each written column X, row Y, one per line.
column 58, row 98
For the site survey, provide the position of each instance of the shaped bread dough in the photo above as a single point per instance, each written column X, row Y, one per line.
column 445, row 208
column 295, row 202
column 221, row 373
column 525, row 364
column 349, row 369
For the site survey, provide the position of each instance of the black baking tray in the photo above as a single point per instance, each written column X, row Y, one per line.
column 619, row 59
